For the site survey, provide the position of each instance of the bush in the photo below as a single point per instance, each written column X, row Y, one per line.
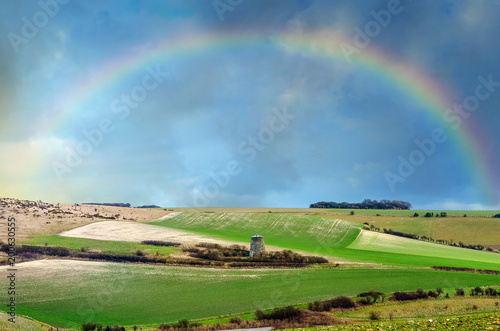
column 496, row 216
column 352, row 212
column 339, row 302
column 459, row 292
column 278, row 313
column 89, row 326
column 415, row 215
column 478, row 291
column 490, row 291
column 260, row 314
column 236, row 319
column 182, row 324
column 432, row 294
column 139, row 253
column 374, row 315
column 160, row 243
column 405, row 296
column 428, row 214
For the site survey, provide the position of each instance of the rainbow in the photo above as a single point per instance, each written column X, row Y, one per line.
column 428, row 93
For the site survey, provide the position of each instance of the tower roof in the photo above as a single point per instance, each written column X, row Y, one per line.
column 257, row 236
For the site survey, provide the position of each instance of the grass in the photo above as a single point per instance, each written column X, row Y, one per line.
column 466, row 322
column 21, row 324
column 316, row 234
column 111, row 247
column 138, row 294
column 381, row 242
column 308, row 233
column 129, row 294
column 426, row 308
column 469, row 230
column 396, row 212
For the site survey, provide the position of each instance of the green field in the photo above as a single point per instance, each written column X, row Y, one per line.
column 130, row 294
column 104, row 246
column 470, row 230
column 66, row 295
column 317, row 234
column 465, row 322
column 397, row 212
column 21, row 324
column 382, row 242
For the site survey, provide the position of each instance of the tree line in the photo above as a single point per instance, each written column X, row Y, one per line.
column 365, row 204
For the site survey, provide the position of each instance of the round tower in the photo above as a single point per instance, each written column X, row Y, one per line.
column 257, row 245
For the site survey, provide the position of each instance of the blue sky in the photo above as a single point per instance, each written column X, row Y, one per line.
column 248, row 125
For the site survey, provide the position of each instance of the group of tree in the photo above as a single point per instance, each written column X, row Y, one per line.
column 237, row 253
column 366, row 204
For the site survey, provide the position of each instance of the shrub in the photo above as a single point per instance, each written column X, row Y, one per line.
column 278, row 313
column 459, row 292
column 478, row 290
column 405, row 296
column 160, row 243
column 89, row 326
column 352, row 212
column 490, row 291
column 139, row 253
column 496, row 216
column 432, row 294
column 415, row 215
column 260, row 314
column 342, row 302
column 182, row 324
column 374, row 315
column 236, row 319
column 428, row 214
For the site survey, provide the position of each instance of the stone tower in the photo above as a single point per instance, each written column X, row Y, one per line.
column 257, row 245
